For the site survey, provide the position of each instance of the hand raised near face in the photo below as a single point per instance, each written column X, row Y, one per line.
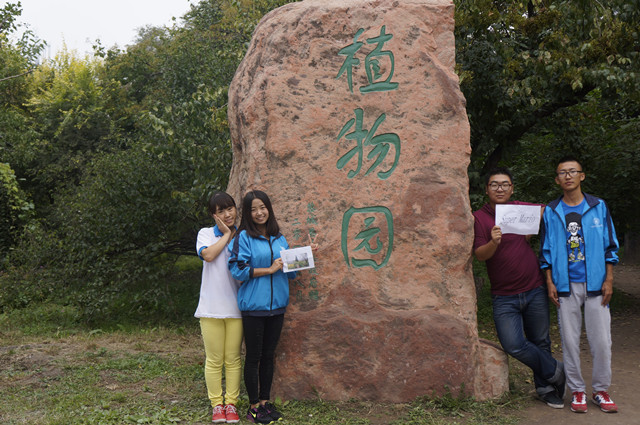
column 223, row 227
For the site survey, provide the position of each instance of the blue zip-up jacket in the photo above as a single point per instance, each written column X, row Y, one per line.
column 600, row 244
column 265, row 295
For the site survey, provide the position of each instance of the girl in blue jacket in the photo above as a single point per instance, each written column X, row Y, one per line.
column 262, row 298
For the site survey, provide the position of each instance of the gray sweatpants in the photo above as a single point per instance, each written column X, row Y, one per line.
column 597, row 320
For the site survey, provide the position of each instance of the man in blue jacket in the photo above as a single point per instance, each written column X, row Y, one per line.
column 578, row 251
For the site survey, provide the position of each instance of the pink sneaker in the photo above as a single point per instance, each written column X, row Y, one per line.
column 218, row 415
column 602, row 399
column 232, row 414
column 579, row 402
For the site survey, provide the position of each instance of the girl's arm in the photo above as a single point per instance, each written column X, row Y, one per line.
column 277, row 265
column 211, row 252
column 240, row 259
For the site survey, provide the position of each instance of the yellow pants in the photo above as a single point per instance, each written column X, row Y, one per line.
column 222, row 345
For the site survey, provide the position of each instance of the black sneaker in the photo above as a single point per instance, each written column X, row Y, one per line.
column 271, row 409
column 552, row 400
column 259, row 415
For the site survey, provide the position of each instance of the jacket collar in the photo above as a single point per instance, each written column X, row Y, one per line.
column 217, row 232
column 591, row 201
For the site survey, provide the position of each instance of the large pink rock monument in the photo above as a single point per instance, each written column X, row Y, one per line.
column 348, row 113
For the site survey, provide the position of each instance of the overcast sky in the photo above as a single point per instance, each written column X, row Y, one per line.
column 80, row 22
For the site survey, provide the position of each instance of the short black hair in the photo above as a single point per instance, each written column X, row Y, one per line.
column 246, row 223
column 569, row 158
column 220, row 201
column 498, row 170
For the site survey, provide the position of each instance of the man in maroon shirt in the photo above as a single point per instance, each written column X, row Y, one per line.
column 518, row 293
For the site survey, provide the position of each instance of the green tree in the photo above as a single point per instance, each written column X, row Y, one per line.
column 15, row 210
column 544, row 78
column 522, row 62
column 126, row 214
column 17, row 61
column 606, row 141
column 76, row 115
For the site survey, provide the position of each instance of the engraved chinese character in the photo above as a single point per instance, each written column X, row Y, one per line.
column 372, row 65
column 350, row 61
column 370, row 234
column 363, row 137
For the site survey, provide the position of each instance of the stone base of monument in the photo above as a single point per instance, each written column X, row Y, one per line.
column 493, row 377
column 348, row 113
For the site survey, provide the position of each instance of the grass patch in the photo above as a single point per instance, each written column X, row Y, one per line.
column 155, row 376
column 56, row 369
column 104, row 379
column 39, row 319
column 449, row 409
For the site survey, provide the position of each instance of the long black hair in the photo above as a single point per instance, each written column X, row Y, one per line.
column 247, row 223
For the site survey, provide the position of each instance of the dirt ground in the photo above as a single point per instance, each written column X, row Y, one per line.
column 625, row 366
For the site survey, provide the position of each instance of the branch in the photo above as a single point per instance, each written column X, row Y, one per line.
column 534, row 118
column 16, row 76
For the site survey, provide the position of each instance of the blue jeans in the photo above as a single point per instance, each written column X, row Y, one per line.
column 522, row 324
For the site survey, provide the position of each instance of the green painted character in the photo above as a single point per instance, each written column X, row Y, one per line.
column 372, row 65
column 311, row 219
column 371, row 243
column 381, row 143
column 350, row 61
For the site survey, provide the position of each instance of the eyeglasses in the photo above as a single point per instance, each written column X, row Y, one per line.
column 564, row 173
column 495, row 186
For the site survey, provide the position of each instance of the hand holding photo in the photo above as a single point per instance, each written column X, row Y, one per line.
column 297, row 259
column 518, row 219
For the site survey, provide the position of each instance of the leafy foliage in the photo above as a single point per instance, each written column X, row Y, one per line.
column 525, row 64
column 16, row 59
column 77, row 117
column 15, row 209
column 125, row 148
column 605, row 140
column 110, row 158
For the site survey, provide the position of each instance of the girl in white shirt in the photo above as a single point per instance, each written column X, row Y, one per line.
column 220, row 319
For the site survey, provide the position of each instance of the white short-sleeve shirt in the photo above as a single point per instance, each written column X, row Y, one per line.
column 218, row 291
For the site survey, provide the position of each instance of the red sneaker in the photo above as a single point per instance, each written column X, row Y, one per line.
column 232, row 414
column 218, row 415
column 602, row 399
column 579, row 402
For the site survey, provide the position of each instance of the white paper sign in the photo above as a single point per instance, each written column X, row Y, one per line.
column 297, row 259
column 518, row 219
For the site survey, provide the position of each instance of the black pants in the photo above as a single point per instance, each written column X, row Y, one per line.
column 261, row 335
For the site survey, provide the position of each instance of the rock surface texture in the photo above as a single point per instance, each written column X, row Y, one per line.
column 349, row 115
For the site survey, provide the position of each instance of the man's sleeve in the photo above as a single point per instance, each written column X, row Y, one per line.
column 544, row 257
column 611, row 244
column 480, row 235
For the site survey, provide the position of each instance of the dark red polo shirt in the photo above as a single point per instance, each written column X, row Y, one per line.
column 514, row 268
